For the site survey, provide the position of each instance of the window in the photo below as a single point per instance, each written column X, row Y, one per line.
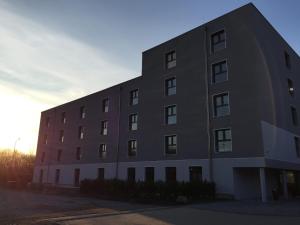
column 81, row 132
column 149, row 174
column 218, row 41
column 170, row 174
column 61, row 136
column 105, row 104
column 57, row 175
column 170, row 86
column 195, row 173
column 133, row 122
column 221, row 105
column 131, row 174
column 43, row 157
column 76, row 177
column 297, row 146
column 287, row 60
column 78, row 153
column 294, row 115
column 82, row 112
column 41, row 176
column 171, row 114
column 102, row 150
column 45, row 139
column 134, row 97
column 171, row 144
column 104, row 127
column 59, row 153
column 291, row 87
column 219, row 72
column 63, row 117
column 47, row 121
column 223, row 142
column 171, row 59
column 132, row 147
column 100, row 173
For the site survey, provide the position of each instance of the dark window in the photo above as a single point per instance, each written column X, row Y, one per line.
column 45, row 139
column 291, row 87
column 134, row 97
column 80, row 132
column 41, row 176
column 102, row 150
column 63, row 117
column 78, row 153
column 133, row 122
column 82, row 112
column 219, row 72
column 100, row 173
column 105, row 105
column 149, row 174
column 195, row 173
column 171, row 114
column 59, row 153
column 297, row 146
column 223, row 141
column 48, row 121
column 171, row 59
column 218, row 41
column 170, row 174
column 76, row 177
column 61, row 136
column 57, row 175
column 171, row 144
column 43, row 157
column 294, row 115
column 131, row 174
column 104, row 127
column 287, row 60
column 170, row 86
column 132, row 147
column 221, row 105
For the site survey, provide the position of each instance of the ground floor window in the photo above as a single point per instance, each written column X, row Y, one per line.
column 41, row 176
column 149, row 174
column 76, row 177
column 100, row 173
column 170, row 174
column 57, row 175
column 195, row 173
column 131, row 174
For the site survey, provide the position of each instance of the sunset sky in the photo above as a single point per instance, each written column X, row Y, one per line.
column 55, row 51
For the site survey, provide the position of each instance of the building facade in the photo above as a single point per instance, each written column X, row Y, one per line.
column 217, row 103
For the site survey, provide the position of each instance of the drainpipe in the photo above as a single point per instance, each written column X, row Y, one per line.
column 209, row 146
column 48, row 152
column 118, row 143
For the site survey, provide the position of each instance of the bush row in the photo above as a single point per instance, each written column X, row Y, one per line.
column 148, row 190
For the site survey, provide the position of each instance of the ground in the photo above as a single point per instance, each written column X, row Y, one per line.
column 23, row 207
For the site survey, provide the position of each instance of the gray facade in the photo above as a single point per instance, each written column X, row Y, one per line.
column 236, row 79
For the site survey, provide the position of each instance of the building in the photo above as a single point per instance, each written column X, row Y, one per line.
column 219, row 102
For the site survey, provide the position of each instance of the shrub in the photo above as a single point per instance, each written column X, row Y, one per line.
column 160, row 191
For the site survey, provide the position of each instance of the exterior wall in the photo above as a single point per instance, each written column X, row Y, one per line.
column 279, row 143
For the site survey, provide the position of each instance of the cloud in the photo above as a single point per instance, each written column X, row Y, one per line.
column 44, row 68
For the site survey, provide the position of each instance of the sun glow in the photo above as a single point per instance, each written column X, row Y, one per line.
column 19, row 121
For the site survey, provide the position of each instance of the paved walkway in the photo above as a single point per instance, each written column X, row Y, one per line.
column 21, row 207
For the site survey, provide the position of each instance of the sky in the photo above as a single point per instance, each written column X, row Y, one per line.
column 54, row 51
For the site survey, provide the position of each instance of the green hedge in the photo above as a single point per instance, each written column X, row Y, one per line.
column 148, row 191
